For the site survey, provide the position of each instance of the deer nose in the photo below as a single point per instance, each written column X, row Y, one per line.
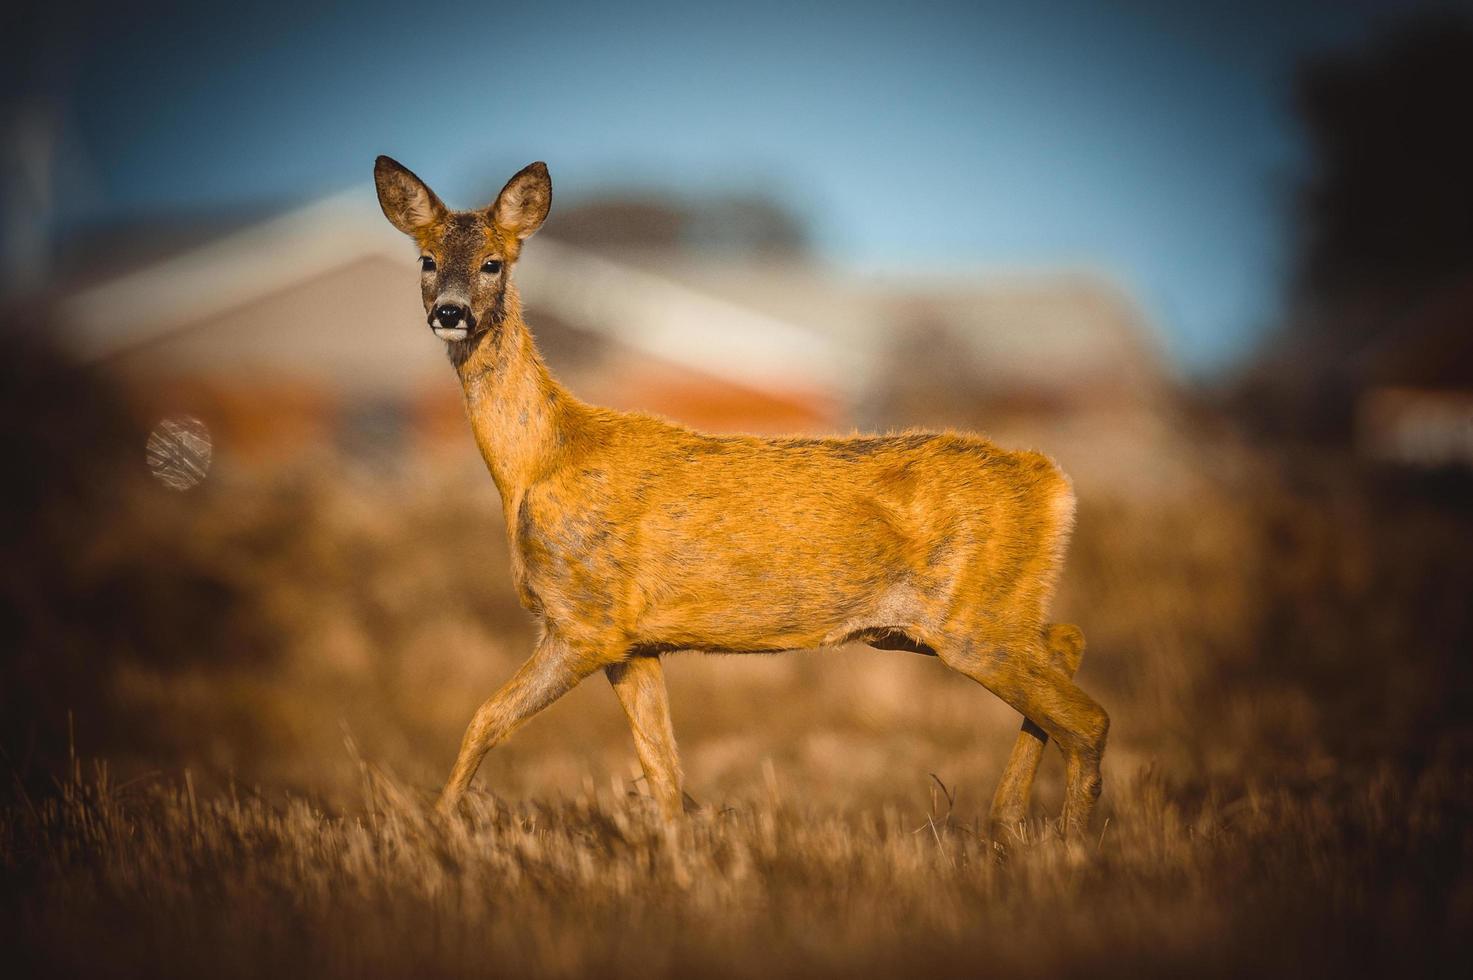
column 449, row 315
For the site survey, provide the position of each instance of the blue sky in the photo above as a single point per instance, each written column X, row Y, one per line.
column 1153, row 141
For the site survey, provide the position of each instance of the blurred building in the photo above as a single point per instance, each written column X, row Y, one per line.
column 306, row 330
column 1376, row 355
column 1412, row 386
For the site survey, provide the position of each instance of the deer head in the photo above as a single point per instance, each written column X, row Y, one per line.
column 465, row 256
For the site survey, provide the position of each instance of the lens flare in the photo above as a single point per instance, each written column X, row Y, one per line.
column 179, row 452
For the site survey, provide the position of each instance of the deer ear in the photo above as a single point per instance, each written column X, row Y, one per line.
column 523, row 203
column 409, row 205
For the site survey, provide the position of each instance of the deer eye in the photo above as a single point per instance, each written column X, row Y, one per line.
column 491, row 267
column 426, row 263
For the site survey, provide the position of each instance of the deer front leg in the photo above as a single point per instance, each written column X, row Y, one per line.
column 640, row 684
column 1010, row 803
column 551, row 671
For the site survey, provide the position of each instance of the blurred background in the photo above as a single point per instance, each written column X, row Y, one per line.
column 1216, row 258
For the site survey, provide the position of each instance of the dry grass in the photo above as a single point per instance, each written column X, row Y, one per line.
column 1284, row 652
column 156, row 878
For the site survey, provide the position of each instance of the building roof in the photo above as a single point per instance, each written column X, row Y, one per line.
column 344, row 237
column 328, row 288
column 1036, row 329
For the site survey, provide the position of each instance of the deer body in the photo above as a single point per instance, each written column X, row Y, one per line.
column 632, row 536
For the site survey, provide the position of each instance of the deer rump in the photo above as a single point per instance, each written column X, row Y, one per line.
column 658, row 538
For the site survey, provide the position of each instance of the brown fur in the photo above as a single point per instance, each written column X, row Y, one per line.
column 632, row 536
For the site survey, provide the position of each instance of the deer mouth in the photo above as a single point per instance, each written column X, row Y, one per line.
column 452, row 321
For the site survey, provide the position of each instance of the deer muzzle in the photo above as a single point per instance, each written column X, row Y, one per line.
column 451, row 321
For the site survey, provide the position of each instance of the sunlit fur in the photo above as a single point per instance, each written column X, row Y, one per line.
column 632, row 537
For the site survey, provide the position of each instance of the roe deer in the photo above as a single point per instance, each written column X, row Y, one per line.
column 632, row 537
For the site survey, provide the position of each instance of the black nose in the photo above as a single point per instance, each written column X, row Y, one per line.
column 449, row 315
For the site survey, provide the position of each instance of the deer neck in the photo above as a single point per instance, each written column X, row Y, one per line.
column 519, row 413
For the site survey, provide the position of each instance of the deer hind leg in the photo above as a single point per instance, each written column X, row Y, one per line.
column 1010, row 803
column 1025, row 677
column 640, row 684
column 551, row 671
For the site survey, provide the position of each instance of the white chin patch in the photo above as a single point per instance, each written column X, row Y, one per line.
column 451, row 333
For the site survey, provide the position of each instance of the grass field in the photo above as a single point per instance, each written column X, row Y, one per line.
column 267, row 679
column 158, row 877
